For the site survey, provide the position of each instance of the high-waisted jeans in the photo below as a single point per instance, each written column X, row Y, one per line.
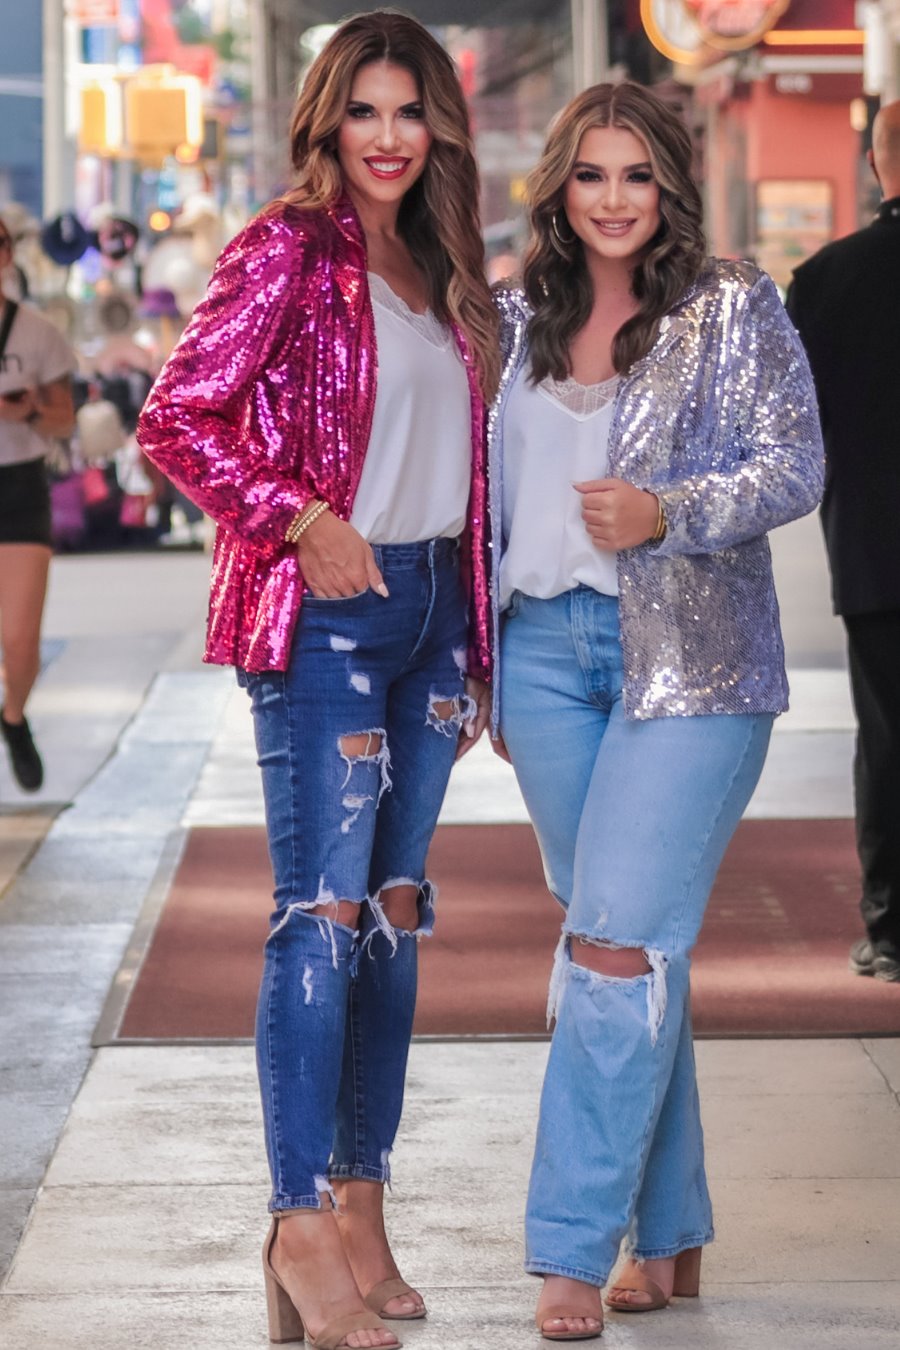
column 632, row 818
column 336, row 1003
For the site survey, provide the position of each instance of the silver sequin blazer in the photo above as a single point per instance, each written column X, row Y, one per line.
column 719, row 419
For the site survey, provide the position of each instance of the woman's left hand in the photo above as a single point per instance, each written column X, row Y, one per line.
column 470, row 731
column 617, row 514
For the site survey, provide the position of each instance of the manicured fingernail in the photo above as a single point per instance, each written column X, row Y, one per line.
column 383, row 590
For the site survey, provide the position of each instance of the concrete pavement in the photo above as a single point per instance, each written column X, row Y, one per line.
column 136, row 1172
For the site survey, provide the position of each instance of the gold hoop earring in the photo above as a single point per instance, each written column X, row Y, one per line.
column 561, row 245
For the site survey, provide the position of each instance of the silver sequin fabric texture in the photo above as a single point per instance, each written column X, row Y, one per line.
column 720, row 420
column 267, row 402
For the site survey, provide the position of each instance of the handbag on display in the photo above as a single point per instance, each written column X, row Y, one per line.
column 94, row 485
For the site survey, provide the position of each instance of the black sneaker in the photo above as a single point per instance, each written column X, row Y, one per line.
column 865, row 960
column 23, row 754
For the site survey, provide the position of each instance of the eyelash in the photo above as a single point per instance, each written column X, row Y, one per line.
column 415, row 114
column 640, row 176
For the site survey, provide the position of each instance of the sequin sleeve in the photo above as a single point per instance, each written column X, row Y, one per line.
column 204, row 423
column 765, row 397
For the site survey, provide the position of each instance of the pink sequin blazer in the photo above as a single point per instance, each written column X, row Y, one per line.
column 267, row 402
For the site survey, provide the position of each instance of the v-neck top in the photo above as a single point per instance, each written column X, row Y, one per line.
column 417, row 471
column 555, row 434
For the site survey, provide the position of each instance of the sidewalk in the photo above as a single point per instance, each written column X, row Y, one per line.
column 145, row 1227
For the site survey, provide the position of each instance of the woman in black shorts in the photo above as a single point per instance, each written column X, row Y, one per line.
column 36, row 364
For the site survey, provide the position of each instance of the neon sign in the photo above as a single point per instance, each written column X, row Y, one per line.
column 682, row 29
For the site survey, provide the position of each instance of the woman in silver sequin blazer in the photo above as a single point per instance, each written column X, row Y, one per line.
column 656, row 418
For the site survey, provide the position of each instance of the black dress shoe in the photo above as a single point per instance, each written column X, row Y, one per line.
column 23, row 754
column 866, row 960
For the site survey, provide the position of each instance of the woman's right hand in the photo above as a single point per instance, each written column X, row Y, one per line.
column 335, row 560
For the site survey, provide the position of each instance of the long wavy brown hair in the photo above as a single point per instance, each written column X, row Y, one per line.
column 439, row 216
column 556, row 277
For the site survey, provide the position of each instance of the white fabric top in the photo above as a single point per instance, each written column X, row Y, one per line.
column 417, row 472
column 554, row 434
column 36, row 354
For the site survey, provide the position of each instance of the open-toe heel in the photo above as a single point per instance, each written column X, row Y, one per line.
column 286, row 1321
column 381, row 1294
column 686, row 1285
column 687, row 1273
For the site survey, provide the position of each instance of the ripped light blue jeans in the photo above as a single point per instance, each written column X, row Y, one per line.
column 336, row 1004
column 632, row 818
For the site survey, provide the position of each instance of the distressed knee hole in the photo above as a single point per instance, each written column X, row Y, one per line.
column 447, row 715
column 362, row 745
column 343, row 912
column 445, row 708
column 621, row 962
column 401, row 906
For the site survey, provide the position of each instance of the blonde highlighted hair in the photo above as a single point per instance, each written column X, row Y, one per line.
column 439, row 216
column 555, row 273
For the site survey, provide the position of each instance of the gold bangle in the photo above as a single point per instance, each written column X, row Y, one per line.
column 659, row 530
column 303, row 519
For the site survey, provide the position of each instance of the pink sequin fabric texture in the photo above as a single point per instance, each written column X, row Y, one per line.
column 720, row 420
column 267, row 402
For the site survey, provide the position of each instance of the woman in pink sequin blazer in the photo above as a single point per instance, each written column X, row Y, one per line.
column 325, row 406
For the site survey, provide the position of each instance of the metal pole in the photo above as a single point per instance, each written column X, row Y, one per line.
column 590, row 42
column 54, row 106
column 260, row 85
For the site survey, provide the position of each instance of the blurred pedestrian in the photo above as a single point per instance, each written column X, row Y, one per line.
column 844, row 301
column 657, row 417
column 36, row 366
column 325, row 407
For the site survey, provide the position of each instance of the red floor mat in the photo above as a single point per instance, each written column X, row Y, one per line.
column 772, row 959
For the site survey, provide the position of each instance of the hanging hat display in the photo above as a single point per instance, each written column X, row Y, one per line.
column 117, row 238
column 64, row 239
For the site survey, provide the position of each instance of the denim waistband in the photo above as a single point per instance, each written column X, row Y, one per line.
column 396, row 557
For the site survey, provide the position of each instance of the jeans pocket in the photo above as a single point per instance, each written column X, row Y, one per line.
column 310, row 599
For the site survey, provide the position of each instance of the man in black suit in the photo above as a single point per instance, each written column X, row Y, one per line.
column 845, row 302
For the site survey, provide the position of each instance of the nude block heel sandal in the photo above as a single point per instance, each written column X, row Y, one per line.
column 381, row 1294
column 285, row 1322
column 687, row 1273
column 687, row 1285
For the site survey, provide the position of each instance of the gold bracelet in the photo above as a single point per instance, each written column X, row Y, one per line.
column 662, row 524
column 303, row 519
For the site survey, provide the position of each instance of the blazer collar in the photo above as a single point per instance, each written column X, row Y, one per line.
column 343, row 214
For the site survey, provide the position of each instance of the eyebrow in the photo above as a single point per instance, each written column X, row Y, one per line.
column 361, row 103
column 586, row 164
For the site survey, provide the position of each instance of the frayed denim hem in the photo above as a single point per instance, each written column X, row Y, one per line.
column 286, row 1204
column 661, row 1253
column 571, row 1272
column 359, row 1172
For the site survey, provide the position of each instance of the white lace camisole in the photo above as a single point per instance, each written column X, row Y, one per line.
column 554, row 434
column 416, row 476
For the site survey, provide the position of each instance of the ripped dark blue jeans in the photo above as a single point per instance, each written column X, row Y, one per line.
column 336, row 1003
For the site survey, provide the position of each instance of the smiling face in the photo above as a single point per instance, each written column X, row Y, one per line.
column 611, row 197
column 383, row 141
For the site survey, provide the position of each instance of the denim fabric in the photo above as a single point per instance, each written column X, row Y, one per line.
column 336, row 1004
column 633, row 818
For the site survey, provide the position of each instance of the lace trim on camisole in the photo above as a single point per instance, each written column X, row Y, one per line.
column 426, row 325
column 581, row 400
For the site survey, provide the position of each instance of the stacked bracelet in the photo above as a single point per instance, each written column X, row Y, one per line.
column 662, row 524
column 303, row 519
